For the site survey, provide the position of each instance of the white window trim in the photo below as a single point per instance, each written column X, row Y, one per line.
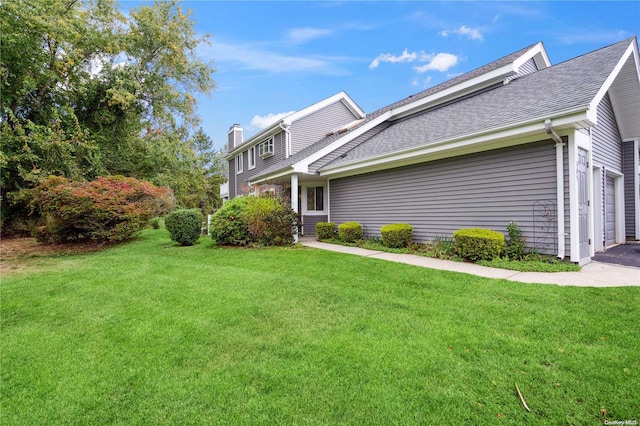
column 269, row 144
column 251, row 155
column 239, row 163
column 325, row 200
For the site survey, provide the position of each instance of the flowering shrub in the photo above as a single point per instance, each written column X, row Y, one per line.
column 108, row 209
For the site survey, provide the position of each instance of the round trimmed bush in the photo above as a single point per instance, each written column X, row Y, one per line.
column 184, row 226
column 478, row 243
column 325, row 230
column 229, row 224
column 397, row 235
column 350, row 232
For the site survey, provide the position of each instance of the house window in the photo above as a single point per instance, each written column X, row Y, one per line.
column 251, row 154
column 239, row 163
column 315, row 198
column 265, row 148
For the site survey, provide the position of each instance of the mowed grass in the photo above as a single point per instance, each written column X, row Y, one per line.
column 152, row 333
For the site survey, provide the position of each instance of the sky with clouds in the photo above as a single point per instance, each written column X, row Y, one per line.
column 273, row 58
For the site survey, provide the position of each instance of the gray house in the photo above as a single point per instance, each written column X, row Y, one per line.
column 554, row 148
column 282, row 140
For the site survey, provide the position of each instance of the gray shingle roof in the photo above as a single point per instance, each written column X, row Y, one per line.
column 550, row 91
column 301, row 155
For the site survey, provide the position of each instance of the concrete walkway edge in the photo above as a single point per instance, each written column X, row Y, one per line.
column 594, row 274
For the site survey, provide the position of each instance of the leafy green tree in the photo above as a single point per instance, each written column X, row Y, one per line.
column 88, row 91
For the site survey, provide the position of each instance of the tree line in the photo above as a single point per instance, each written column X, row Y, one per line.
column 88, row 91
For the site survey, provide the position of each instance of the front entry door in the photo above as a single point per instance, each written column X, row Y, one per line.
column 583, row 203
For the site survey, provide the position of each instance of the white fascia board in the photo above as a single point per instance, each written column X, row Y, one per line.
column 342, row 96
column 416, row 155
column 490, row 77
column 287, row 171
column 303, row 166
column 535, row 50
column 570, row 119
column 593, row 105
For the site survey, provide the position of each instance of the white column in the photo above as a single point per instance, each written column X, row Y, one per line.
column 294, row 200
column 560, row 198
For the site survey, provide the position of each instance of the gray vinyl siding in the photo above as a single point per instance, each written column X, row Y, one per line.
column 279, row 153
column 314, row 167
column 239, row 181
column 526, row 68
column 630, row 188
column 606, row 141
column 315, row 126
column 310, row 224
column 487, row 190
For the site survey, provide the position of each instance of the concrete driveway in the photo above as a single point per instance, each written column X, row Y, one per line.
column 624, row 254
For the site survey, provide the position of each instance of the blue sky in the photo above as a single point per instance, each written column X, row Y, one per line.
column 275, row 57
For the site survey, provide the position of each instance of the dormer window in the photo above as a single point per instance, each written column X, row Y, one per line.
column 265, row 148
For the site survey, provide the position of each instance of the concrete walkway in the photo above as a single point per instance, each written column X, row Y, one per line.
column 594, row 274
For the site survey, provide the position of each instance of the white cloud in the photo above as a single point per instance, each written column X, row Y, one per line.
column 303, row 35
column 264, row 121
column 253, row 56
column 425, row 83
column 471, row 33
column 387, row 57
column 440, row 62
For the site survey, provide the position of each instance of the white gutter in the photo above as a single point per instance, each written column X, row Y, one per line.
column 287, row 138
column 412, row 155
column 559, row 185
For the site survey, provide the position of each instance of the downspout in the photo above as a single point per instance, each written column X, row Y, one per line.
column 287, row 139
column 559, row 184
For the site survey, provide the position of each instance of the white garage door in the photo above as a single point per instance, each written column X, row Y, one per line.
column 610, row 212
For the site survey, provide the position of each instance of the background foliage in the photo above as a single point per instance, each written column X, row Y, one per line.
column 88, row 92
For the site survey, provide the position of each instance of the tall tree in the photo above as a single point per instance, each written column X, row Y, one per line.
column 88, row 91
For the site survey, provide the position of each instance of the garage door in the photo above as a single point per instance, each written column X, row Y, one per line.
column 610, row 212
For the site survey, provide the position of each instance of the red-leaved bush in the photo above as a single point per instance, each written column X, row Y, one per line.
column 108, row 209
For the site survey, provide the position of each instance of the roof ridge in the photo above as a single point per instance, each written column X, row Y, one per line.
column 459, row 79
column 591, row 52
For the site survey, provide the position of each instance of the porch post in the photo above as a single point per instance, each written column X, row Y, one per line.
column 560, row 198
column 294, row 200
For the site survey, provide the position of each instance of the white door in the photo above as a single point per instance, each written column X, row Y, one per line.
column 583, row 204
column 610, row 211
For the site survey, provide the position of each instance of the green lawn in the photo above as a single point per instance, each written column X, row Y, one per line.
column 148, row 332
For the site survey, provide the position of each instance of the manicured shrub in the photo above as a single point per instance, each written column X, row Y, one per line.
column 263, row 220
column 350, row 232
column 229, row 224
column 325, row 230
column 478, row 244
column 397, row 235
column 515, row 245
column 154, row 222
column 108, row 209
column 184, row 226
